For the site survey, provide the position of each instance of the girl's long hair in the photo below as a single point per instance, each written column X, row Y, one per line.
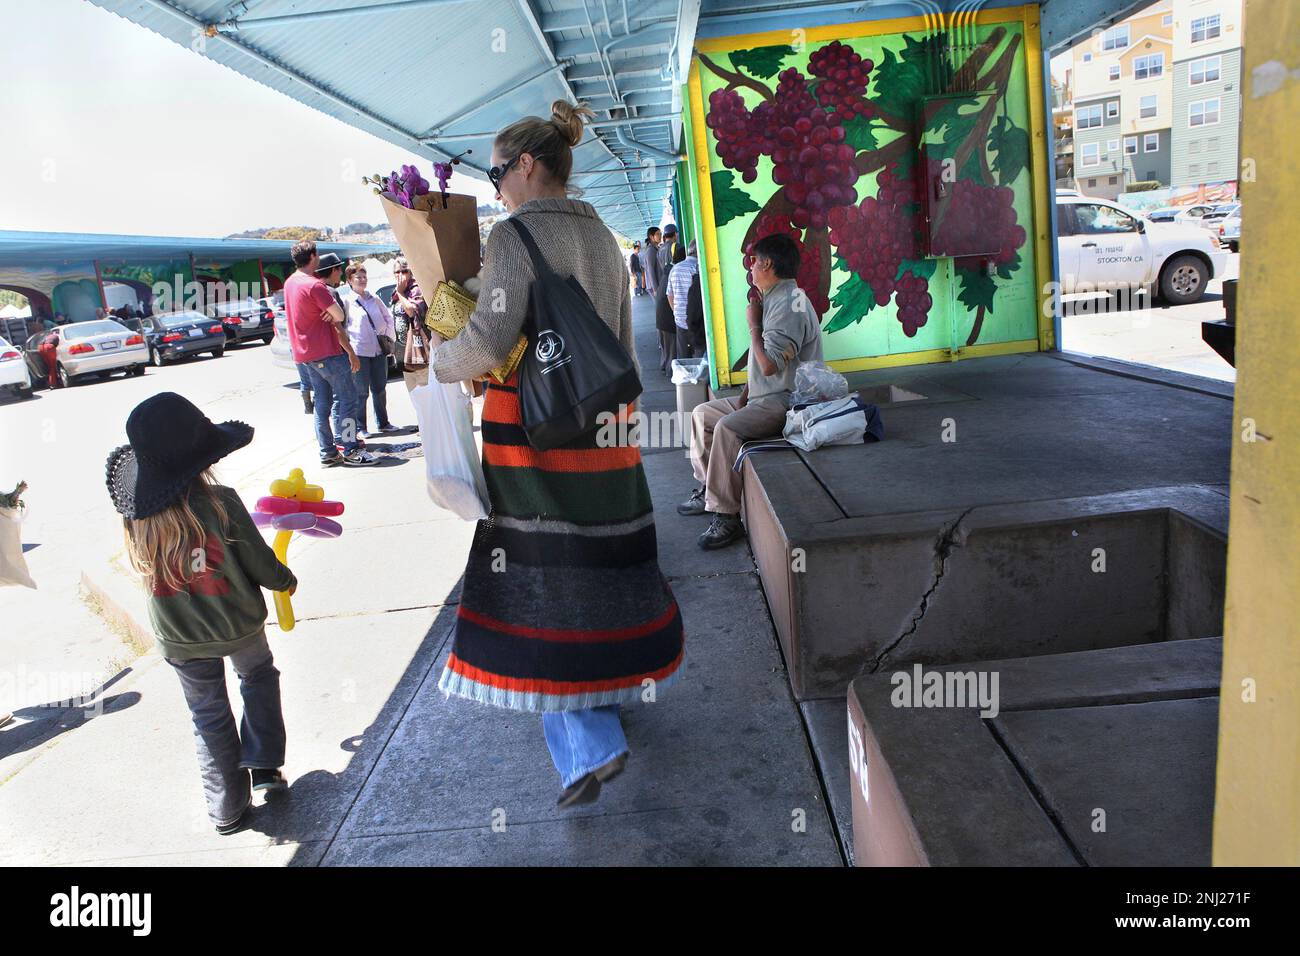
column 161, row 546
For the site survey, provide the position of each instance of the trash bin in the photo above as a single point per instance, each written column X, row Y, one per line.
column 691, row 376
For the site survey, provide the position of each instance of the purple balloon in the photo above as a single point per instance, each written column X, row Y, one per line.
column 328, row 527
column 262, row 519
column 298, row 521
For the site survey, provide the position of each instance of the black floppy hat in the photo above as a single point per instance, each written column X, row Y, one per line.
column 328, row 263
column 171, row 442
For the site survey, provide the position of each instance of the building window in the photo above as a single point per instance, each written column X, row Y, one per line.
column 1112, row 109
column 1212, row 144
column 1087, row 58
column 1167, row 20
column 1091, row 183
column 1130, row 145
column 1114, row 71
column 1203, row 112
column 1145, row 67
column 1090, row 154
column 1194, row 170
column 1086, row 117
column 1116, row 38
column 1194, row 146
column 1205, row 28
column 1151, row 143
column 1113, row 180
column 1211, row 170
column 1151, row 176
column 1147, row 107
column 1204, row 71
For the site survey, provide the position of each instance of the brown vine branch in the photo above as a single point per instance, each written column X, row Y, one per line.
column 975, row 329
column 964, row 78
column 736, row 78
column 869, row 161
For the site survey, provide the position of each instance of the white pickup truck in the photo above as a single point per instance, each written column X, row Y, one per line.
column 1103, row 247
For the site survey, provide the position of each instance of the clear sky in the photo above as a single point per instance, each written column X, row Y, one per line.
column 107, row 127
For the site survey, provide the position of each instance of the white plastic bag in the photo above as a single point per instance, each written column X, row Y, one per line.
column 844, row 421
column 817, row 382
column 13, row 566
column 452, row 470
column 690, row 371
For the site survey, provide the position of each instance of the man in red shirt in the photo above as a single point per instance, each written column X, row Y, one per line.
column 314, row 318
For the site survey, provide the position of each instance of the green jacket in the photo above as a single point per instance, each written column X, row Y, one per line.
column 221, row 610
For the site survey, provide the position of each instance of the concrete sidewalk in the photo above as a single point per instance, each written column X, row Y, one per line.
column 385, row 770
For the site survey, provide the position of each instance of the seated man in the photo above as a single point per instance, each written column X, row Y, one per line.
column 783, row 331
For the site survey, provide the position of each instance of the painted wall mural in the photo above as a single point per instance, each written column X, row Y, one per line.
column 900, row 165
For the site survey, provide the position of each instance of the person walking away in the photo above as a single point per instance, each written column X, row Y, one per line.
column 206, row 609
column 650, row 268
column 409, row 309
column 784, row 330
column 679, row 288
column 634, row 265
column 313, row 318
column 669, row 251
column 581, row 620
column 49, row 350
column 369, row 323
column 695, row 318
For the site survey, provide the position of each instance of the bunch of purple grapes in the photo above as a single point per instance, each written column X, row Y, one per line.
column 912, row 296
column 844, row 77
column 982, row 218
column 809, row 155
column 733, row 127
column 878, row 234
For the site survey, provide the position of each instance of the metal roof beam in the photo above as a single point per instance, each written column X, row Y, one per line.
column 594, row 72
column 241, row 23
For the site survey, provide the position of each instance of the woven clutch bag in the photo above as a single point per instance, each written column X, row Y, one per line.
column 449, row 312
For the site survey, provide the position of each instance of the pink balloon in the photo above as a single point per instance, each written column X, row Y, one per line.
column 283, row 506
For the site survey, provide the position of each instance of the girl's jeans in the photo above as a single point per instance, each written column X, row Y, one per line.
column 226, row 754
column 582, row 740
column 371, row 380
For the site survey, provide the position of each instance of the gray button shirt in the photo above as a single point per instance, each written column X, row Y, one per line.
column 791, row 334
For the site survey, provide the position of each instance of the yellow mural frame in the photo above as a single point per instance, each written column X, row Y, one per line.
column 1027, row 15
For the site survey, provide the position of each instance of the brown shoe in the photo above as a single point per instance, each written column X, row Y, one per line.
column 586, row 790
column 608, row 771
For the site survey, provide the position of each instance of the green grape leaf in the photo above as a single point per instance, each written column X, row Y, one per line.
column 860, row 133
column 1007, row 269
column 977, row 288
column 1012, row 146
column 899, row 84
column 729, row 202
column 921, row 268
column 763, row 62
column 852, row 301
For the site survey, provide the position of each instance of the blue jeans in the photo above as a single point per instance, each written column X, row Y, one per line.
column 372, row 378
column 582, row 740
column 226, row 754
column 304, row 380
column 336, row 397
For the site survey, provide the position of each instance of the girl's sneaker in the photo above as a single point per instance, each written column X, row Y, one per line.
column 360, row 458
column 270, row 781
column 235, row 825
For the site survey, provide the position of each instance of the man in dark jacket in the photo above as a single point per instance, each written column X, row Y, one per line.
column 650, row 260
column 634, row 266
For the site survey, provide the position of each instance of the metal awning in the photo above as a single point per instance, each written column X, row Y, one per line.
column 34, row 249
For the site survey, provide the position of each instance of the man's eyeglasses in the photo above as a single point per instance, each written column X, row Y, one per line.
column 498, row 173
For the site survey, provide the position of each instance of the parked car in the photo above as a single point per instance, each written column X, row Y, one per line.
column 100, row 346
column 242, row 320
column 1107, row 247
column 174, row 335
column 14, row 373
column 1230, row 231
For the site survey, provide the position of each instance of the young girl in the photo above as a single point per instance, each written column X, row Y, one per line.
column 204, row 563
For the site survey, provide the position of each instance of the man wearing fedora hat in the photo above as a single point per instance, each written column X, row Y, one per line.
column 315, row 319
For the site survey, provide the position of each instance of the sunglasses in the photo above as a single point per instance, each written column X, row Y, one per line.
column 498, row 173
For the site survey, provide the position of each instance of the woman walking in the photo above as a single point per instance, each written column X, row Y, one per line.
column 581, row 620
column 409, row 309
column 369, row 325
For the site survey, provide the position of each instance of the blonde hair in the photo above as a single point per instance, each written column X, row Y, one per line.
column 161, row 546
column 550, row 142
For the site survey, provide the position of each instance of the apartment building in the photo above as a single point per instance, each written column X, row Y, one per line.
column 1124, row 106
column 1207, row 42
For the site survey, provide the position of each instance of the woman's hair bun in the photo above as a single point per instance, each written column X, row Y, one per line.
column 569, row 119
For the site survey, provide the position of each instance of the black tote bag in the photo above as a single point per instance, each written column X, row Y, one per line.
column 575, row 367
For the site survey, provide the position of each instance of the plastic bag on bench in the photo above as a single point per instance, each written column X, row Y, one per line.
column 817, row 382
column 845, row 421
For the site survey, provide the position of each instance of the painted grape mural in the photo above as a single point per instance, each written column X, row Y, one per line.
column 840, row 128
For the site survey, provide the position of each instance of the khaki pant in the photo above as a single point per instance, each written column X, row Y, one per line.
column 718, row 429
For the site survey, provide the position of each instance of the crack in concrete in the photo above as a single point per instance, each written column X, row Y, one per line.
column 948, row 539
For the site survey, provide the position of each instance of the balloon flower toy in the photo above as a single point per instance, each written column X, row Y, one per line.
column 293, row 505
